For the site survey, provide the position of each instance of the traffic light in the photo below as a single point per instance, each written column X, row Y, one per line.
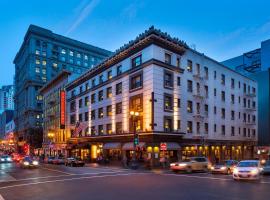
column 136, row 139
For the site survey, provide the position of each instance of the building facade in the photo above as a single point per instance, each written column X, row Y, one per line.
column 6, row 98
column 183, row 98
column 256, row 64
column 54, row 135
column 40, row 58
column 5, row 118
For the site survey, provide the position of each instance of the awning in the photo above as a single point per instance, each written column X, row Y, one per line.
column 130, row 145
column 112, row 145
column 173, row 146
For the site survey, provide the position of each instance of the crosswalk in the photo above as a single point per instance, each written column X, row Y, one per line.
column 6, row 177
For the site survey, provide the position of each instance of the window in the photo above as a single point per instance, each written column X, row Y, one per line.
column 109, row 129
column 232, row 115
column 63, row 51
column 178, row 103
column 232, row 83
column 100, row 113
column 206, row 91
column 189, row 86
column 80, row 117
column 93, row 130
column 206, row 128
column 215, row 128
column 245, row 88
column 80, row 103
column 206, row 108
column 93, row 114
column 136, row 81
column 198, row 69
column 168, row 124
column 119, row 70
column 118, row 88
column 137, row 61
column 206, row 72
column 232, row 99
column 178, row 81
column 72, row 119
column 222, row 96
column 168, row 58
column 37, row 70
column 100, row 79
column 93, row 98
column 189, row 106
column 87, row 86
column 118, row 108
column 37, row 52
column 86, row 116
column 93, row 82
column 215, row 92
column 168, row 102
column 232, row 131
column 118, row 127
column 71, row 53
column 86, row 57
column 189, row 66
column 136, row 103
column 81, row 89
column 215, row 75
column 109, row 74
column 223, row 113
column 54, row 65
column 215, row 110
column 86, row 101
column 168, row 79
column 37, row 61
column 100, row 130
column 189, row 127
column 223, row 129
column 100, row 95
column 178, row 62
column 109, row 92
column 109, row 110
column 222, row 79
column 72, row 106
column 178, row 124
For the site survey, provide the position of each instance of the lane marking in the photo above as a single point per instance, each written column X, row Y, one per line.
column 66, row 175
column 205, row 177
column 69, row 179
column 55, row 170
column 1, row 197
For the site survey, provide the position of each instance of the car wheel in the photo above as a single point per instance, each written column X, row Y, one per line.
column 175, row 171
column 189, row 170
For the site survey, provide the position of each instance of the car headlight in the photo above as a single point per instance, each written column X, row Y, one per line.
column 182, row 164
column 212, row 168
column 223, row 168
column 2, row 159
column 35, row 162
column 8, row 159
column 172, row 164
column 254, row 171
column 235, row 171
column 26, row 163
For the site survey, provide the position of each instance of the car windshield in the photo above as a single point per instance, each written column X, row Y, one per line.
column 248, row 164
column 28, row 159
column 229, row 162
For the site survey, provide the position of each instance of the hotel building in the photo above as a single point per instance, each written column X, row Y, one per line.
column 185, row 99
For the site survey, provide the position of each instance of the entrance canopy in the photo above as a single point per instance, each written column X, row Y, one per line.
column 112, row 145
column 173, row 146
column 130, row 145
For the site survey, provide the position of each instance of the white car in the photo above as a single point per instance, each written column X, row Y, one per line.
column 247, row 170
column 191, row 164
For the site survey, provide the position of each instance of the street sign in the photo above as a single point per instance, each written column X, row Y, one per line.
column 163, row 146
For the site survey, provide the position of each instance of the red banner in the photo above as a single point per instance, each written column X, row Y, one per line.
column 62, row 109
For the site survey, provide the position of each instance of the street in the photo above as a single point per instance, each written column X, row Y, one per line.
column 90, row 182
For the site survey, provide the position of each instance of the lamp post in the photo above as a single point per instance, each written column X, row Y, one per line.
column 50, row 136
column 134, row 115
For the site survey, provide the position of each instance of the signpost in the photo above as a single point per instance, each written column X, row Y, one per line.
column 163, row 146
column 62, row 109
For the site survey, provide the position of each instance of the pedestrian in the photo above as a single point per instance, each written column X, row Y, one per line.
column 162, row 161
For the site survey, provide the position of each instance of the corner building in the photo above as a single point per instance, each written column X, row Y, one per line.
column 187, row 100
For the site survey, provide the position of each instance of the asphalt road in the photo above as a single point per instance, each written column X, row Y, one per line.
column 60, row 182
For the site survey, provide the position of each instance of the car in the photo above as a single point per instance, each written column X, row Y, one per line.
column 247, row 170
column 17, row 157
column 5, row 159
column 58, row 161
column 74, row 162
column 225, row 167
column 28, row 162
column 266, row 168
column 191, row 164
column 49, row 160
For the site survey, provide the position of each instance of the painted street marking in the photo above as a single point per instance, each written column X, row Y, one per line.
column 69, row 179
column 1, row 197
column 55, row 170
column 58, row 176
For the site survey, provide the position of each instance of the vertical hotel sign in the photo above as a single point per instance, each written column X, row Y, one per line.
column 62, row 109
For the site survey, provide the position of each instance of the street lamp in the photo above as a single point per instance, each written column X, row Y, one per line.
column 50, row 136
column 134, row 115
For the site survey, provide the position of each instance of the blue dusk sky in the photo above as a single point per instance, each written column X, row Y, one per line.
column 220, row 29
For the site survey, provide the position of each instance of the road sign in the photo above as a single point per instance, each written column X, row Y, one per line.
column 163, row 146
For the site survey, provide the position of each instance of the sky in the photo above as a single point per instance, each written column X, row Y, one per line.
column 220, row 30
